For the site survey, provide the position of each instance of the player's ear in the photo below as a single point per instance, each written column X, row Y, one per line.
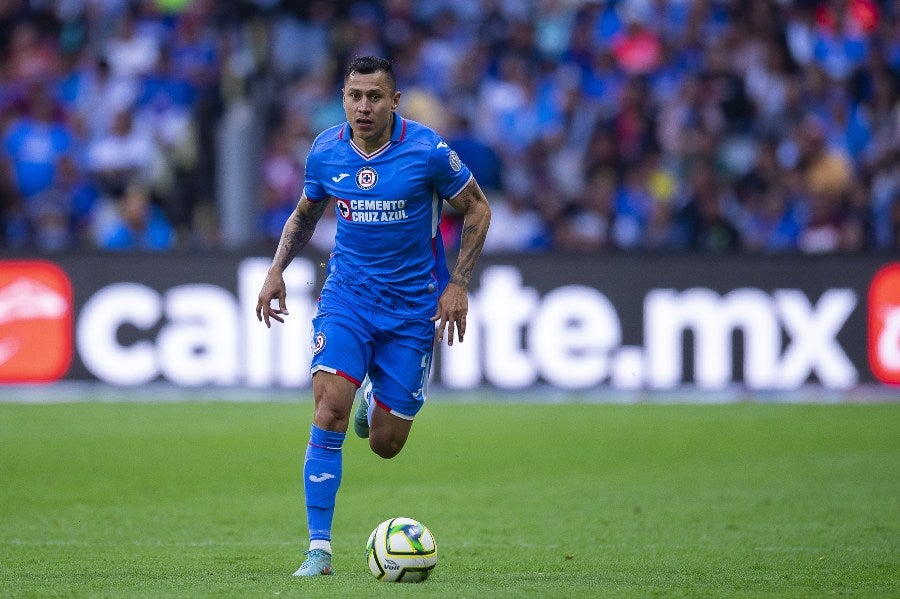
column 395, row 100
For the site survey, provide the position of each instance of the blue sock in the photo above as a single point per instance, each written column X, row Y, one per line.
column 321, row 479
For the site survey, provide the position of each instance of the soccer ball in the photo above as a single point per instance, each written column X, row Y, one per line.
column 401, row 550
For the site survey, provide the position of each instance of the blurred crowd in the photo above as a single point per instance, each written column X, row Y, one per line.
column 620, row 125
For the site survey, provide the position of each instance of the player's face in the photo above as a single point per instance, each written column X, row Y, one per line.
column 369, row 103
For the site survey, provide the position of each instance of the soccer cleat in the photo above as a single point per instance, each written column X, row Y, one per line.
column 318, row 561
column 361, row 418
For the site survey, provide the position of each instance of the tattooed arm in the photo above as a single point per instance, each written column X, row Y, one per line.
column 296, row 234
column 453, row 304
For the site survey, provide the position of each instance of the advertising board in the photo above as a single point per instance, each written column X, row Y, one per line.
column 572, row 322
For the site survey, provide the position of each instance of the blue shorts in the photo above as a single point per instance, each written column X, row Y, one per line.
column 352, row 341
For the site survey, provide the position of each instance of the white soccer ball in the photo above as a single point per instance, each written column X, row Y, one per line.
column 401, row 550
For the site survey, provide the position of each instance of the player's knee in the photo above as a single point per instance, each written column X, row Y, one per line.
column 334, row 398
column 331, row 416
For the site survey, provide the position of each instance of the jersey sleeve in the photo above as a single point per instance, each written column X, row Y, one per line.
column 312, row 183
column 447, row 172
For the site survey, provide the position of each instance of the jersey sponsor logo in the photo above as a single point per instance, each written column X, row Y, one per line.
column 340, row 177
column 35, row 321
column 455, row 162
column 884, row 325
column 318, row 343
column 366, row 177
column 373, row 211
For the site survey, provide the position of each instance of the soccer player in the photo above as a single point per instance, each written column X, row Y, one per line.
column 388, row 294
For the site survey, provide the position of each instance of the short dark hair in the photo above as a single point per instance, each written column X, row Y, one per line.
column 366, row 65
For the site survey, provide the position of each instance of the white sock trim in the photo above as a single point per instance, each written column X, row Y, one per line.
column 320, row 544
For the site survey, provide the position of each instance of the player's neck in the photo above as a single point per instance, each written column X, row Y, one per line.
column 371, row 146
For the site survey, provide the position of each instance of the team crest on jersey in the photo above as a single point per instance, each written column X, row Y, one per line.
column 318, row 342
column 366, row 177
column 455, row 162
column 343, row 207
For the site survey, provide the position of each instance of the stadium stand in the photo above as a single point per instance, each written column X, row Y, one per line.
column 629, row 125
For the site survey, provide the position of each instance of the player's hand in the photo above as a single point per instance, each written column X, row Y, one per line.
column 453, row 305
column 272, row 289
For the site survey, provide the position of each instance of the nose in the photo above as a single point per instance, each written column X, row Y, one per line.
column 363, row 106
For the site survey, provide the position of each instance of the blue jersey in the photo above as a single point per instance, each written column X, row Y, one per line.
column 388, row 250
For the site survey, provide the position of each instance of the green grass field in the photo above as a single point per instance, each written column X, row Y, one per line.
column 203, row 499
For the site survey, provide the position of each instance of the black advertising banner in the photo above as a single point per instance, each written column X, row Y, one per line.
column 572, row 322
